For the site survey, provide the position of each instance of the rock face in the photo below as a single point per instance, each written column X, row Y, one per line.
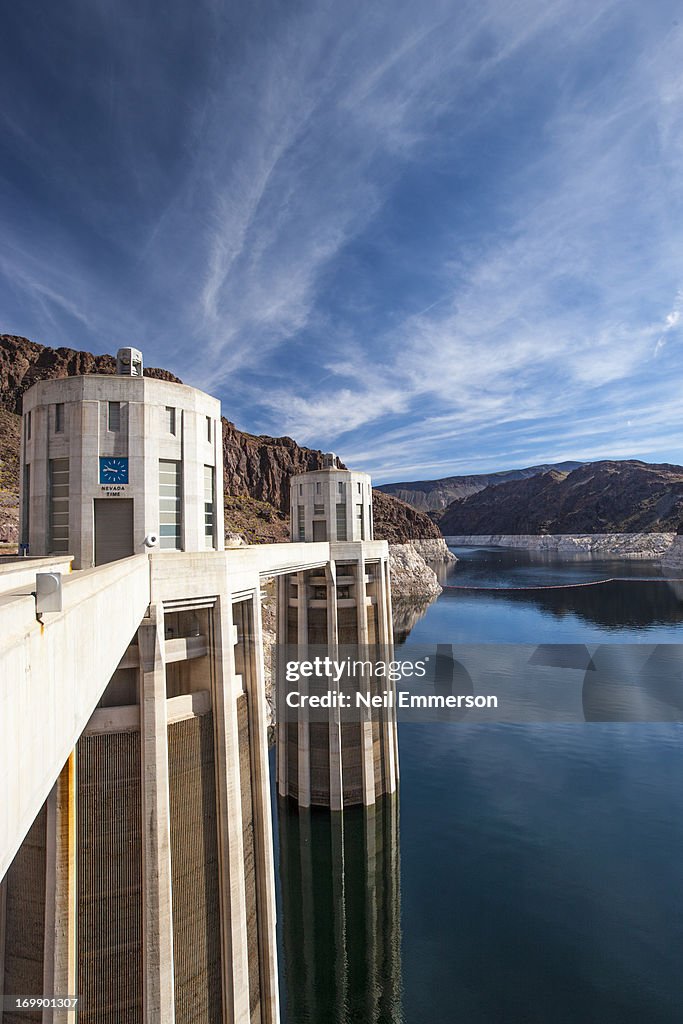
column 617, row 545
column 434, row 495
column 398, row 523
column 9, row 477
column 410, row 574
column 254, row 521
column 434, row 551
column 269, row 639
column 599, row 497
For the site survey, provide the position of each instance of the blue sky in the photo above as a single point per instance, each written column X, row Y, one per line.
column 435, row 238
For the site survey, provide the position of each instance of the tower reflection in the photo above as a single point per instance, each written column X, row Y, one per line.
column 340, row 877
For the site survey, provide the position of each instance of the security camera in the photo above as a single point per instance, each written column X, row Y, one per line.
column 152, row 540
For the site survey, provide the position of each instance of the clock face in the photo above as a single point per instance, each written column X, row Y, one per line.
column 113, row 470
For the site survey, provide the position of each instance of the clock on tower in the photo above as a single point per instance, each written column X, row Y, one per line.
column 113, row 470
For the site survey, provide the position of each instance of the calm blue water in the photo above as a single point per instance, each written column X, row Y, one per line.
column 639, row 611
column 527, row 873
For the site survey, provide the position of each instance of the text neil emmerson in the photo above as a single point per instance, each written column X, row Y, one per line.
column 388, row 699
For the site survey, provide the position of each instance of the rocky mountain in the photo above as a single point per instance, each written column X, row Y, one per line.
column 398, row 522
column 256, row 468
column 434, row 495
column 9, row 475
column 598, row 497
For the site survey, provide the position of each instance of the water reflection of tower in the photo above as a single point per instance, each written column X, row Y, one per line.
column 341, row 913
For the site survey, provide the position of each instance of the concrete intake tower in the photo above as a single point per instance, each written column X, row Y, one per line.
column 345, row 759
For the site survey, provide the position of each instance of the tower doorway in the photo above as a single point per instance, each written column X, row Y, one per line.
column 113, row 529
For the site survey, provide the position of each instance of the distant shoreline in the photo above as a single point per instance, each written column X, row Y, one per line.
column 622, row 545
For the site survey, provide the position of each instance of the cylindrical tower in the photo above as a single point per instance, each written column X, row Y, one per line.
column 331, row 504
column 114, row 464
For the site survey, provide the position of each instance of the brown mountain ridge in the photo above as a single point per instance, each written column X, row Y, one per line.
column 436, row 495
column 598, row 497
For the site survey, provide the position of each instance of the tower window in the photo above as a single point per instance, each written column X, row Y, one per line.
column 301, row 522
column 59, row 505
column 170, row 415
column 209, row 474
column 26, row 506
column 59, row 417
column 170, row 505
column 27, row 426
column 341, row 521
column 114, row 416
column 317, row 488
column 318, row 510
column 208, row 428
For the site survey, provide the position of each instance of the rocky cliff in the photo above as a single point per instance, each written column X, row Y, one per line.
column 599, row 497
column 410, row 574
column 398, row 522
column 9, row 476
column 256, row 468
column 434, row 550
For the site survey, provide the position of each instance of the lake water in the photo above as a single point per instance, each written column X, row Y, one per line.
column 526, row 874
